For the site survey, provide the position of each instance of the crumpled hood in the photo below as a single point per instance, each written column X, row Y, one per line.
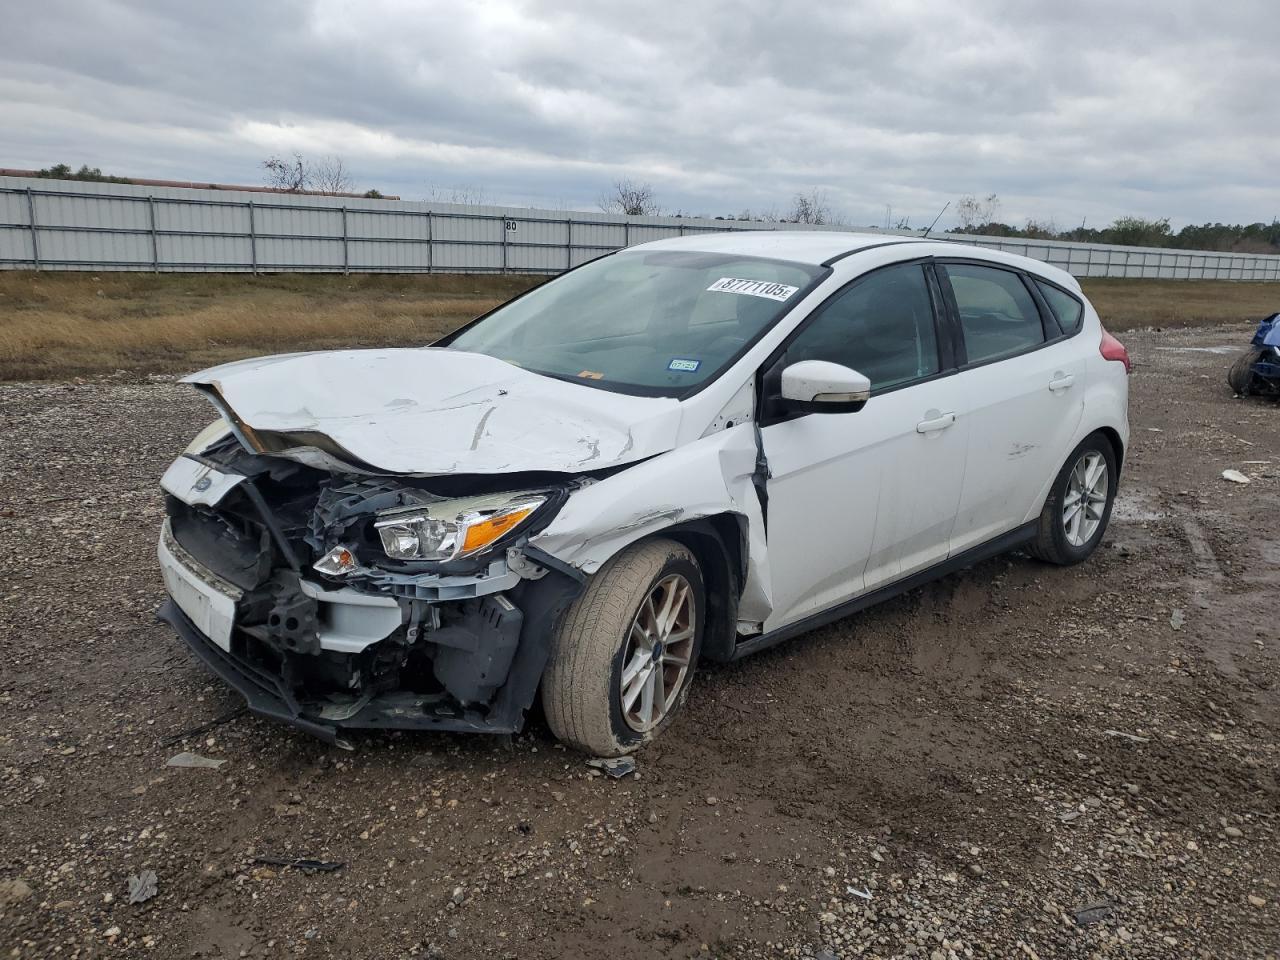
column 431, row 411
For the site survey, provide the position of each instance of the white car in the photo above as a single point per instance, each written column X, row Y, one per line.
column 691, row 449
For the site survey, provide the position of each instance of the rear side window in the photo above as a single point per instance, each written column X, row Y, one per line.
column 997, row 313
column 882, row 326
column 1065, row 307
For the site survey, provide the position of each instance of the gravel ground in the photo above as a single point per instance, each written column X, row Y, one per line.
column 1016, row 761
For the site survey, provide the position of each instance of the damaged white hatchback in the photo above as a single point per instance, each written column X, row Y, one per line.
column 689, row 450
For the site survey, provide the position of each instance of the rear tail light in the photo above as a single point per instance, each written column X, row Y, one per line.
column 1113, row 349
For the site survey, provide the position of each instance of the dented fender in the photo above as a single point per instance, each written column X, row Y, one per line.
column 708, row 477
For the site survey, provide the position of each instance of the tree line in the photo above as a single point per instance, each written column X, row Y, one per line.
column 980, row 215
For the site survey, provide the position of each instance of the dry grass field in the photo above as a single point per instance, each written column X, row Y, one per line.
column 55, row 325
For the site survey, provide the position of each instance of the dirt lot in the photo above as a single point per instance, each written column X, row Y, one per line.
column 955, row 774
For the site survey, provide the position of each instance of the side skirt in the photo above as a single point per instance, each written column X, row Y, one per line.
column 985, row 551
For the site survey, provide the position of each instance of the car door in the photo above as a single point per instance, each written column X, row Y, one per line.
column 1022, row 383
column 856, row 500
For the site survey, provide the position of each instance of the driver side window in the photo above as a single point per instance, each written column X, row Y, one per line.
column 882, row 326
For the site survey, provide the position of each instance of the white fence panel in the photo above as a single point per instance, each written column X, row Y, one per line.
column 73, row 225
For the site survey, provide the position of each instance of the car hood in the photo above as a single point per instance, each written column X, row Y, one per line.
column 429, row 411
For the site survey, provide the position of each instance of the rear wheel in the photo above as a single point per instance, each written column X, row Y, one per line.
column 622, row 659
column 1076, row 513
column 1240, row 376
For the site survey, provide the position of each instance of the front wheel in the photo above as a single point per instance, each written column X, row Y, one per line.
column 622, row 659
column 1076, row 513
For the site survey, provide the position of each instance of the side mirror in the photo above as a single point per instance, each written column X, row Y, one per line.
column 819, row 386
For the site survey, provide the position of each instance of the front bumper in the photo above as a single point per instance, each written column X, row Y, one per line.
column 264, row 694
column 278, row 693
column 267, row 696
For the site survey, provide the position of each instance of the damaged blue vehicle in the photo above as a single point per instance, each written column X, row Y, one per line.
column 1256, row 372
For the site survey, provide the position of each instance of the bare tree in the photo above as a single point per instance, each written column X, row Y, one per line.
column 974, row 212
column 291, row 175
column 330, row 175
column 812, row 207
column 467, row 194
column 631, row 198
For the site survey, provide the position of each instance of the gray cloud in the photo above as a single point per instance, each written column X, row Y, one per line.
column 1067, row 111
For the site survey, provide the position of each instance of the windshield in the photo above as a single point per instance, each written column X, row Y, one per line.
column 655, row 323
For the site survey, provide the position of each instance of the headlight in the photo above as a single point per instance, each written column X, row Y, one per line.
column 454, row 528
column 208, row 436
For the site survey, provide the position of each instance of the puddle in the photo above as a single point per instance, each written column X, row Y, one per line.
column 1136, row 506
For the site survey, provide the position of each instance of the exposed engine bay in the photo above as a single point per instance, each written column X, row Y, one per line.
column 308, row 609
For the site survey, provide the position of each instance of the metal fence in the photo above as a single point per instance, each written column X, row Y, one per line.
column 72, row 225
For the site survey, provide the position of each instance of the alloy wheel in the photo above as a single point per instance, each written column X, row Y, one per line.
column 659, row 649
column 1085, row 500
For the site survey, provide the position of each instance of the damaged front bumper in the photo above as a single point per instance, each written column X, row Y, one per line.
column 442, row 651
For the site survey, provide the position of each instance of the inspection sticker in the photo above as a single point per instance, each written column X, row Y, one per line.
column 754, row 288
column 688, row 366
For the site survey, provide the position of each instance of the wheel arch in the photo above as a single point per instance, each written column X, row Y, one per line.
column 1107, row 431
column 718, row 542
column 1112, row 436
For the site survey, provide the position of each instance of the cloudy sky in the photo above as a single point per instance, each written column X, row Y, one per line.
column 1065, row 110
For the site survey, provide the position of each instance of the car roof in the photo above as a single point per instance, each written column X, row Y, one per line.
column 819, row 247
column 814, row 247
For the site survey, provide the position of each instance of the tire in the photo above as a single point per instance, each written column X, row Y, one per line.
column 1240, row 375
column 597, row 640
column 1055, row 540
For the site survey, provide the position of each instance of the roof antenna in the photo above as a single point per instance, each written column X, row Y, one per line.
column 936, row 219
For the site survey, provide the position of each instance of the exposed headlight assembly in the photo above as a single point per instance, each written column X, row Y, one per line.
column 454, row 528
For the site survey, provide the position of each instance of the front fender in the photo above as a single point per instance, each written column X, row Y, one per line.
column 709, row 477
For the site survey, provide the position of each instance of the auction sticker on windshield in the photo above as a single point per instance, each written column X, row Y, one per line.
column 754, row 288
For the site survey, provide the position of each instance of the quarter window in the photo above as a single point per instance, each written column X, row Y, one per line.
column 1065, row 307
column 882, row 327
column 997, row 314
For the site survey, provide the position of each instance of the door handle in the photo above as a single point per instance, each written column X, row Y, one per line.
column 940, row 422
column 1061, row 381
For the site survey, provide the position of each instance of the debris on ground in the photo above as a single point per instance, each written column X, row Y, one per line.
column 204, row 727
column 1177, row 619
column 142, row 886
column 1235, row 476
column 305, row 864
column 615, row 767
column 194, row 761
column 1092, row 913
column 854, row 891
